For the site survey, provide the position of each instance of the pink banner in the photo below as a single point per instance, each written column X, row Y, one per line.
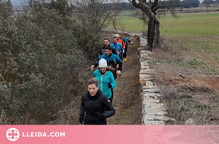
column 110, row 134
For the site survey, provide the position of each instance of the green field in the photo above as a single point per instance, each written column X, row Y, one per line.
column 196, row 23
column 186, row 24
column 195, row 35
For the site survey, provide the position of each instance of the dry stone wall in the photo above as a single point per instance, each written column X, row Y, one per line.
column 153, row 112
column 110, row 33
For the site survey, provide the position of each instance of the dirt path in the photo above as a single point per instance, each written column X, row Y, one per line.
column 127, row 100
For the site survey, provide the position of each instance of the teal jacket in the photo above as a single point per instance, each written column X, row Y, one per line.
column 103, row 80
column 118, row 47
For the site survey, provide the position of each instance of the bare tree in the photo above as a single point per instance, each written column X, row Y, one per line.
column 151, row 9
column 96, row 14
column 114, row 18
column 207, row 3
column 114, row 21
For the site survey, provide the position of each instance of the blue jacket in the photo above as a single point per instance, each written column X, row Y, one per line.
column 126, row 40
column 118, row 47
column 103, row 80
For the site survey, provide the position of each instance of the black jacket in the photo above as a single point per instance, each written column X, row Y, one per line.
column 92, row 105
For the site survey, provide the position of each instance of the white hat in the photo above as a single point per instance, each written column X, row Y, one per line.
column 102, row 63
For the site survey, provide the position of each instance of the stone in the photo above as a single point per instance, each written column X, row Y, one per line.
column 158, row 118
column 142, row 76
column 150, row 102
column 149, row 87
column 141, row 48
column 154, row 90
column 144, row 67
column 144, row 64
column 190, row 121
column 144, row 56
column 147, row 71
column 153, row 122
column 149, row 83
column 146, row 95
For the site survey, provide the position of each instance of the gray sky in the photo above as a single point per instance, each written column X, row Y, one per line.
column 15, row 2
column 18, row 2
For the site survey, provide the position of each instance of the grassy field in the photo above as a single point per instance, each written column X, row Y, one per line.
column 196, row 36
column 193, row 35
column 187, row 24
column 187, row 65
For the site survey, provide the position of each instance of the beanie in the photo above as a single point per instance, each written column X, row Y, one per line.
column 102, row 63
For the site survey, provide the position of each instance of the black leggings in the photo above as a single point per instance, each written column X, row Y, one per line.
column 125, row 54
column 111, row 99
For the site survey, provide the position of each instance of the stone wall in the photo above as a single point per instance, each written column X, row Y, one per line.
column 153, row 112
column 110, row 33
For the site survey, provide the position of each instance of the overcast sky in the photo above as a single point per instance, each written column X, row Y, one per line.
column 17, row 2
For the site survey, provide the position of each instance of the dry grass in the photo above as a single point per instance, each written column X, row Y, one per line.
column 187, row 92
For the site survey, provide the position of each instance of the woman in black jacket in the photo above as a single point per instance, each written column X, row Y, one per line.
column 96, row 105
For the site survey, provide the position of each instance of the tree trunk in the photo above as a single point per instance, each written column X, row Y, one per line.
column 153, row 34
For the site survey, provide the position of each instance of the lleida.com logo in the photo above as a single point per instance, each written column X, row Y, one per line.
column 12, row 134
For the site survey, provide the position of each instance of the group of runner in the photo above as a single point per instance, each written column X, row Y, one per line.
column 96, row 103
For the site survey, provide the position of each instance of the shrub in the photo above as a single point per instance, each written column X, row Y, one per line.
column 41, row 58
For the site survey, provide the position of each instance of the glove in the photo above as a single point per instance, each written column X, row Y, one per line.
column 123, row 51
column 81, row 119
column 100, row 116
column 109, row 85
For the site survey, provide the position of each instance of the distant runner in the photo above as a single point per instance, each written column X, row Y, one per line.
column 126, row 41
